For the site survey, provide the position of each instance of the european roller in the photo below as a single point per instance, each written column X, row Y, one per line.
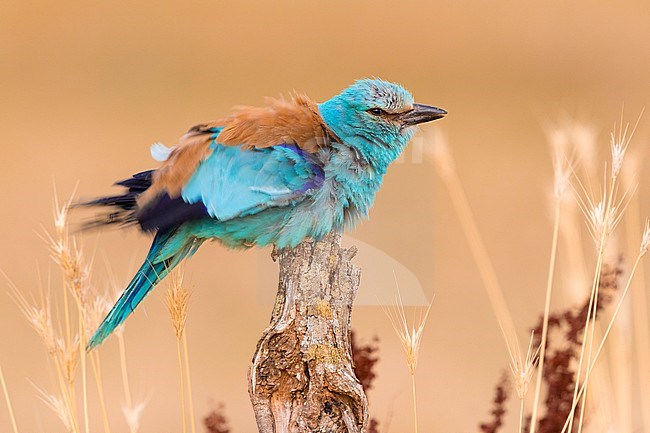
column 275, row 175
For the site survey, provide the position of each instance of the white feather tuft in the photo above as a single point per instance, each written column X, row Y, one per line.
column 160, row 152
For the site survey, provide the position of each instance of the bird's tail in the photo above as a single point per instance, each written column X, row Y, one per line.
column 119, row 210
column 150, row 273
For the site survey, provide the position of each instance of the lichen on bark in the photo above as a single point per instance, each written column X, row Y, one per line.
column 302, row 376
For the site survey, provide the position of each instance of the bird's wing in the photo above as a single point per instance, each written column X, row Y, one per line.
column 295, row 122
column 255, row 158
column 232, row 182
column 291, row 121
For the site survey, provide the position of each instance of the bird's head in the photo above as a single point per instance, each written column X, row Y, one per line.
column 378, row 118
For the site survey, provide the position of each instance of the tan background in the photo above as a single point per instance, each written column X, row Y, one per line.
column 85, row 87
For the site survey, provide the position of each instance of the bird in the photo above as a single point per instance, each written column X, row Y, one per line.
column 274, row 175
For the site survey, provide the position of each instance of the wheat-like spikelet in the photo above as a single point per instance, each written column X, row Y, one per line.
column 619, row 145
column 522, row 369
column 96, row 309
column 562, row 171
column 38, row 316
column 68, row 354
column 133, row 414
column 645, row 239
column 59, row 407
column 177, row 301
column 410, row 335
column 68, row 255
column 62, row 351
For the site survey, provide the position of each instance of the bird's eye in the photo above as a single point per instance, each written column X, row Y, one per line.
column 376, row 111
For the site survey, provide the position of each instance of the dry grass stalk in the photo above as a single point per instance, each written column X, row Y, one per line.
column 446, row 169
column 132, row 412
column 60, row 407
column 186, row 358
column 96, row 366
column 92, row 316
column 177, row 300
column 66, row 350
column 638, row 343
column 38, row 316
column 125, row 374
column 522, row 369
column 562, row 171
column 8, row 401
column 411, row 338
column 62, row 352
column 67, row 254
column 643, row 249
column 565, row 341
column 602, row 218
column 603, row 215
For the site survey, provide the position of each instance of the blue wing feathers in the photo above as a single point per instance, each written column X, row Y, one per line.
column 229, row 184
column 233, row 182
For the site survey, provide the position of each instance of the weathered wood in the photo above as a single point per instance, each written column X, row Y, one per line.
column 302, row 378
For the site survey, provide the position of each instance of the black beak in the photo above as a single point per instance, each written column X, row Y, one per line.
column 422, row 113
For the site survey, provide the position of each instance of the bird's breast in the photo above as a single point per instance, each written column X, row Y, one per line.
column 348, row 190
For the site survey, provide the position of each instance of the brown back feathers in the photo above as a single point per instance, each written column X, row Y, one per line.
column 294, row 121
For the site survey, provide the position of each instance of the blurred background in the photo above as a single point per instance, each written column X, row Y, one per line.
column 86, row 87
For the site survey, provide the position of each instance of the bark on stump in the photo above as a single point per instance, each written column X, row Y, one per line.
column 302, row 377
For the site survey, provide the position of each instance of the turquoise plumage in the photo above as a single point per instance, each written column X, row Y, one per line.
column 263, row 176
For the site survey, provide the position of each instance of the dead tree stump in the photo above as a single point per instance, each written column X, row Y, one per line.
column 302, row 377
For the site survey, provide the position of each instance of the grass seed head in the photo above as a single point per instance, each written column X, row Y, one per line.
column 68, row 355
column 522, row 368
column 61, row 216
column 38, row 316
column 58, row 406
column 67, row 254
column 177, row 300
column 133, row 414
column 603, row 215
column 645, row 240
column 620, row 143
column 618, row 154
column 409, row 335
column 95, row 311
